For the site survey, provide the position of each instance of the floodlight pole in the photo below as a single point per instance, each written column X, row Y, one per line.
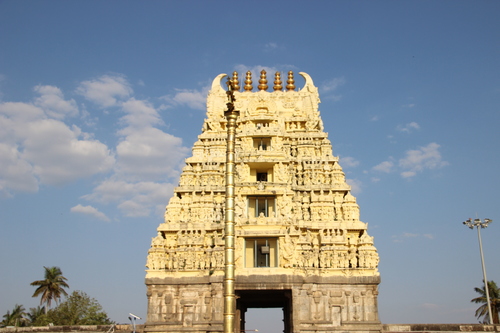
column 229, row 296
column 479, row 225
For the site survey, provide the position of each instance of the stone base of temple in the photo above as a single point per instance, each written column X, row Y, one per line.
column 310, row 303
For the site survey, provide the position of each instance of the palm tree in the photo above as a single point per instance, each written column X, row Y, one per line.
column 482, row 311
column 51, row 288
column 14, row 318
column 35, row 314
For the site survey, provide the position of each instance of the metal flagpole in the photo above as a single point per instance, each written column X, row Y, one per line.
column 229, row 297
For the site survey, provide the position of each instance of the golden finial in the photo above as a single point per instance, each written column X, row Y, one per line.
column 277, row 82
column 248, row 82
column 236, row 83
column 290, row 86
column 263, row 80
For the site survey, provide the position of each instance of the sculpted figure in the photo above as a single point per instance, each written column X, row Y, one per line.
column 242, row 172
column 277, row 143
column 240, row 243
column 218, row 212
column 362, row 259
column 208, row 241
column 365, row 239
column 261, row 219
column 149, row 262
column 215, row 238
column 240, row 206
column 280, row 172
column 287, row 250
column 353, row 259
column 168, row 264
column 323, row 259
column 158, row 240
column 285, row 205
column 306, row 212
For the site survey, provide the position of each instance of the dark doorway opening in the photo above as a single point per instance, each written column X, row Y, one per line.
column 271, row 305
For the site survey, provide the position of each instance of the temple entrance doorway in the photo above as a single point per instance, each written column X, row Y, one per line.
column 269, row 311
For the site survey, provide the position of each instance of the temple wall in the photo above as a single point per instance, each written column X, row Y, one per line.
column 385, row 328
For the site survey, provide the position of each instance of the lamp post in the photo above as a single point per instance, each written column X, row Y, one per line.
column 479, row 225
column 229, row 297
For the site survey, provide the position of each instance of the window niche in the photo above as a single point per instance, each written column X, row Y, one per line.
column 261, row 252
column 262, row 174
column 262, row 143
column 261, row 206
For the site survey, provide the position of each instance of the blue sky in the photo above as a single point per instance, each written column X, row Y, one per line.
column 100, row 102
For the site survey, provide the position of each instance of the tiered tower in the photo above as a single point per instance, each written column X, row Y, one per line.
column 299, row 242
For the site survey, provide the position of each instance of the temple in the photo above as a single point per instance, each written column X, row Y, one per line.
column 299, row 241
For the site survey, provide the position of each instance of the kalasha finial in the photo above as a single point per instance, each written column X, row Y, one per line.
column 263, row 80
column 248, row 82
column 290, row 86
column 236, row 83
column 277, row 82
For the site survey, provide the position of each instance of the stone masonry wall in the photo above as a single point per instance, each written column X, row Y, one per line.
column 386, row 328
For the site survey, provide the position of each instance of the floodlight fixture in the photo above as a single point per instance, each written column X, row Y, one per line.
column 132, row 317
column 480, row 225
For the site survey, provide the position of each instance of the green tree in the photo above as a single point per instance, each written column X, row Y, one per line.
column 36, row 316
column 482, row 311
column 79, row 309
column 52, row 287
column 16, row 317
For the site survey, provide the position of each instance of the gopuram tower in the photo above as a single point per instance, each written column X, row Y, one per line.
column 299, row 243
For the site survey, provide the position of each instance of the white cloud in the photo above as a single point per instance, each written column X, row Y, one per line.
column 194, row 99
column 408, row 128
column 19, row 113
column 270, row 46
column 406, row 235
column 16, row 174
column 415, row 161
column 52, row 101
column 60, row 156
column 333, row 84
column 430, row 306
column 89, row 210
column 330, row 86
column 409, row 106
column 418, row 160
column 132, row 208
column 145, row 153
column 39, row 149
column 349, row 162
column 149, row 154
column 148, row 160
column 106, row 91
column 355, row 185
column 140, row 114
column 386, row 166
column 133, row 199
column 408, row 174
